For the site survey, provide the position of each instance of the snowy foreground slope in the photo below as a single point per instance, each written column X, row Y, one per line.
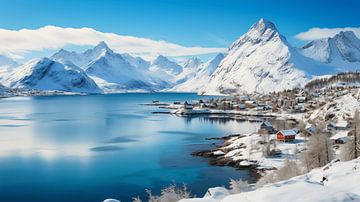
column 342, row 185
column 46, row 74
column 262, row 60
column 342, row 51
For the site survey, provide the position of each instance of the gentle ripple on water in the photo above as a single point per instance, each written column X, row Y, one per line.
column 88, row 148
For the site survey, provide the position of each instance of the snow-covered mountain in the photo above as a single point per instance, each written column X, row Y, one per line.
column 47, row 74
column 202, row 76
column 342, row 50
column 6, row 65
column 113, row 72
column 2, row 89
column 139, row 63
column 82, row 59
column 189, row 69
column 262, row 60
column 165, row 69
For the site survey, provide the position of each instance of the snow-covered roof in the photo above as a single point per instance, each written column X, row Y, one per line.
column 288, row 132
column 340, row 124
column 267, row 123
column 341, row 135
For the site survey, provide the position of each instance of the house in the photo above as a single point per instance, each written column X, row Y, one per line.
column 340, row 138
column 244, row 98
column 250, row 103
column 311, row 129
column 286, row 135
column 266, row 125
column 239, row 106
column 187, row 105
column 299, row 108
column 340, row 125
column 264, row 106
column 300, row 99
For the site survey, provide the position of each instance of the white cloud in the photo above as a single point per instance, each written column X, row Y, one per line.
column 20, row 42
column 319, row 33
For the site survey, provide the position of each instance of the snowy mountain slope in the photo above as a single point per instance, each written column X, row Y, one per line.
column 189, row 69
column 202, row 76
column 81, row 59
column 111, row 71
column 137, row 62
column 342, row 50
column 2, row 89
column 46, row 74
column 342, row 185
column 114, row 74
column 262, row 60
column 165, row 69
column 7, row 65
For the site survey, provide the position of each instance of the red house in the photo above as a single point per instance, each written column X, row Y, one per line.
column 286, row 135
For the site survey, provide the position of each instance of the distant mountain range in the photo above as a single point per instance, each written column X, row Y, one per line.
column 261, row 60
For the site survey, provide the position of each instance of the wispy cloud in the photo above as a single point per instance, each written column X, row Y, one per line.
column 20, row 42
column 319, row 33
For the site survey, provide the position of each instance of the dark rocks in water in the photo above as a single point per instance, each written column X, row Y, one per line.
column 204, row 153
column 223, row 138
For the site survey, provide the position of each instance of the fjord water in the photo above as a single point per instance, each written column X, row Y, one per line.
column 89, row 148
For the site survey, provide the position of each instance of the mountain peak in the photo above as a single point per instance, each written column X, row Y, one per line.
column 102, row 46
column 346, row 34
column 192, row 62
column 341, row 50
column 263, row 24
column 260, row 32
column 160, row 59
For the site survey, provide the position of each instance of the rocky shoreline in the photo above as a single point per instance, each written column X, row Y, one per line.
column 217, row 157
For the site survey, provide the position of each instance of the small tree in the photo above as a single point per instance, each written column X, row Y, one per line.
column 237, row 186
column 289, row 170
column 319, row 151
column 351, row 149
column 136, row 199
column 171, row 193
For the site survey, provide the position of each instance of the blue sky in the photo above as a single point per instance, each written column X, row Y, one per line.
column 205, row 23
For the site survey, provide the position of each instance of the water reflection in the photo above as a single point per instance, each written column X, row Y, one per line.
column 104, row 145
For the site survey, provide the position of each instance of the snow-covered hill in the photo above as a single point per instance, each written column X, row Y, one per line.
column 342, row 185
column 202, row 76
column 339, row 109
column 342, row 50
column 46, row 74
column 262, row 60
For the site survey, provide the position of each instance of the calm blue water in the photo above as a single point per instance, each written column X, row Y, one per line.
column 89, row 148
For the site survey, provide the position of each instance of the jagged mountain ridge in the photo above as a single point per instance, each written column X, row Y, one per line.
column 342, row 50
column 113, row 72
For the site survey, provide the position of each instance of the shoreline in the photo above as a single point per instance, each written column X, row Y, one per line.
column 216, row 158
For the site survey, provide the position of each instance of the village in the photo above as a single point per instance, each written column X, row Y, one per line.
column 287, row 121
